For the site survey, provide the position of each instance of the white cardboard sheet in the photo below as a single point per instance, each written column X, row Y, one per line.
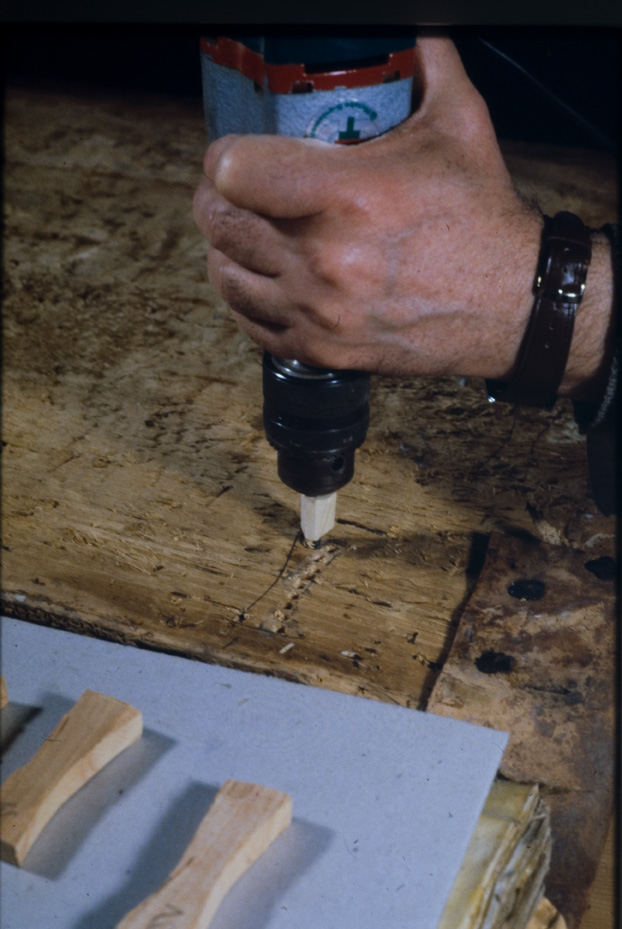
column 385, row 798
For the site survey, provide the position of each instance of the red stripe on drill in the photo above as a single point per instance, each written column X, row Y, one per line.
column 288, row 78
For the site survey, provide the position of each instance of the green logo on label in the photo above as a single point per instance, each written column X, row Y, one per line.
column 350, row 121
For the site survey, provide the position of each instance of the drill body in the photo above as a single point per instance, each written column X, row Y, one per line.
column 332, row 89
column 338, row 90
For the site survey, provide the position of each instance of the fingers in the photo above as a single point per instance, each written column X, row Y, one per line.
column 440, row 61
column 274, row 312
column 449, row 99
column 245, row 237
column 276, row 176
column 256, row 305
column 249, row 294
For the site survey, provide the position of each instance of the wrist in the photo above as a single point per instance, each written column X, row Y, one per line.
column 523, row 261
column 564, row 348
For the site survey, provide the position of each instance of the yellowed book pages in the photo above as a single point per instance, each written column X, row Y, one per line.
column 501, row 881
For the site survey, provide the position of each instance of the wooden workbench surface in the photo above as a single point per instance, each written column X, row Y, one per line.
column 140, row 498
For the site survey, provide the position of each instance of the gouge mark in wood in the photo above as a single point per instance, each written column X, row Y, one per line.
column 242, row 822
column 96, row 730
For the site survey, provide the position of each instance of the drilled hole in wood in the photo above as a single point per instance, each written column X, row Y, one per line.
column 527, row 588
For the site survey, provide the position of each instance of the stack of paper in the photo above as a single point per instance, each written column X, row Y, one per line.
column 502, row 877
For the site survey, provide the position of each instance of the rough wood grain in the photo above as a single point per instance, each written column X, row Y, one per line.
column 96, row 730
column 4, row 695
column 141, row 499
column 240, row 825
column 605, row 894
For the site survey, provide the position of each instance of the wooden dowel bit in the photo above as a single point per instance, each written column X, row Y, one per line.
column 317, row 517
column 96, row 730
column 242, row 822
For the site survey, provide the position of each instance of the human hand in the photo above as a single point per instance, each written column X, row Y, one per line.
column 408, row 254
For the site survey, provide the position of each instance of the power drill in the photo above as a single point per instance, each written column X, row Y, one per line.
column 336, row 89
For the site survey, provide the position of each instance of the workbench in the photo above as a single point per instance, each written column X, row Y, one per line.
column 140, row 499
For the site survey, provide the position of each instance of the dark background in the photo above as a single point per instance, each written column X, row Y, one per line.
column 579, row 66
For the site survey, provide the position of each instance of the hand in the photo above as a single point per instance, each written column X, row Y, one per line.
column 408, row 254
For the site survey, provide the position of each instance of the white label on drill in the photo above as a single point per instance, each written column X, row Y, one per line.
column 346, row 122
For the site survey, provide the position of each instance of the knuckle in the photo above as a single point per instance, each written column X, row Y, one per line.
column 326, row 261
column 321, row 353
column 223, row 222
column 236, row 294
column 344, row 269
column 317, row 356
column 474, row 122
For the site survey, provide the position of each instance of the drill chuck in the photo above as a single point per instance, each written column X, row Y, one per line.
column 315, row 419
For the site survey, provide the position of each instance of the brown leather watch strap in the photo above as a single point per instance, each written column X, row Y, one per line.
column 564, row 258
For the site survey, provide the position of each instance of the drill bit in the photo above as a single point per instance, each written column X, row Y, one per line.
column 317, row 517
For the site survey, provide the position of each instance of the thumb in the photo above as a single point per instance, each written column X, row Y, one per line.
column 448, row 96
column 277, row 176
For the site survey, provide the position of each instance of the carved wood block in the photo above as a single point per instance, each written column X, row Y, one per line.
column 240, row 825
column 96, row 730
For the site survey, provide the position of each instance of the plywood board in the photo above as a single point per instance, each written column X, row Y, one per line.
column 140, row 497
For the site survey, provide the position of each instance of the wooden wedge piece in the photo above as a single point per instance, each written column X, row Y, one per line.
column 96, row 730
column 242, row 822
column 317, row 516
column 4, row 695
